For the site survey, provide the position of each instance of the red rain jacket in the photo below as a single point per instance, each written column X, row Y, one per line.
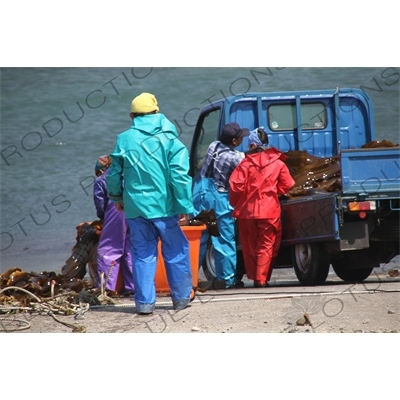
column 256, row 183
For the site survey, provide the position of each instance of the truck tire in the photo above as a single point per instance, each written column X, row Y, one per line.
column 352, row 275
column 208, row 265
column 354, row 266
column 311, row 263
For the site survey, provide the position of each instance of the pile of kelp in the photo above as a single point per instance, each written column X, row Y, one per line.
column 16, row 284
column 317, row 174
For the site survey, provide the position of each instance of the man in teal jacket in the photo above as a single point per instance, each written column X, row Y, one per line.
column 149, row 180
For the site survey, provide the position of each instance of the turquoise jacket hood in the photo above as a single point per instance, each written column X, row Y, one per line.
column 149, row 170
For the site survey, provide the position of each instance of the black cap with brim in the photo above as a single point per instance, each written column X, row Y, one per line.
column 233, row 130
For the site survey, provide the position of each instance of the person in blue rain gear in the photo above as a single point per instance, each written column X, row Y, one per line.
column 211, row 191
column 148, row 179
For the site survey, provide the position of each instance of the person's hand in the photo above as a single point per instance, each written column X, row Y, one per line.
column 119, row 206
column 183, row 219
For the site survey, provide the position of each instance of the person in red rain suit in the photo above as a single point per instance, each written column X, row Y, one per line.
column 255, row 185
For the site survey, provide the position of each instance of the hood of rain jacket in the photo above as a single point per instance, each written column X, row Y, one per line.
column 149, row 170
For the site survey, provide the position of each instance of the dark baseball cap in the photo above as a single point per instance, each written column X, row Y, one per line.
column 233, row 130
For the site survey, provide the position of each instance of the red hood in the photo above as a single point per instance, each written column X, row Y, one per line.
column 266, row 157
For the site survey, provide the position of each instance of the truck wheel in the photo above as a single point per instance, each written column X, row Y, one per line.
column 352, row 275
column 346, row 266
column 311, row 263
column 209, row 264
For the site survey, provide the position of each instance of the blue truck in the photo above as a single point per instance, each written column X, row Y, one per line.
column 353, row 229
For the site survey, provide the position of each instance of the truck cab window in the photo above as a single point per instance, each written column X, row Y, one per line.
column 206, row 133
column 313, row 116
column 282, row 117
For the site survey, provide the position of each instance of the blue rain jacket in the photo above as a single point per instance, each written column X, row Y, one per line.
column 149, row 170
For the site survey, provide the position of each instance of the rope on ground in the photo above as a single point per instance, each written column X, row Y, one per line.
column 58, row 304
column 11, row 321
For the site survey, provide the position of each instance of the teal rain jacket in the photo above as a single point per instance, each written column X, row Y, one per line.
column 149, row 170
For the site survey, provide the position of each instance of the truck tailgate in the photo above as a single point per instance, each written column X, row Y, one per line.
column 371, row 172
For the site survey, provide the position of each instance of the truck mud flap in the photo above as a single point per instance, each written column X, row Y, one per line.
column 353, row 236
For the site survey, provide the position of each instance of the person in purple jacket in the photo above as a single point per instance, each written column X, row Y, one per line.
column 113, row 252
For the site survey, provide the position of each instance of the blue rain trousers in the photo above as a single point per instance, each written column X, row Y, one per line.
column 207, row 197
column 145, row 234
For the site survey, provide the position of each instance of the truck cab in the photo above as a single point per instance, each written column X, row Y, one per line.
column 323, row 228
column 319, row 122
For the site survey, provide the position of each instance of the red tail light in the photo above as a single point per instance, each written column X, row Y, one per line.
column 356, row 206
